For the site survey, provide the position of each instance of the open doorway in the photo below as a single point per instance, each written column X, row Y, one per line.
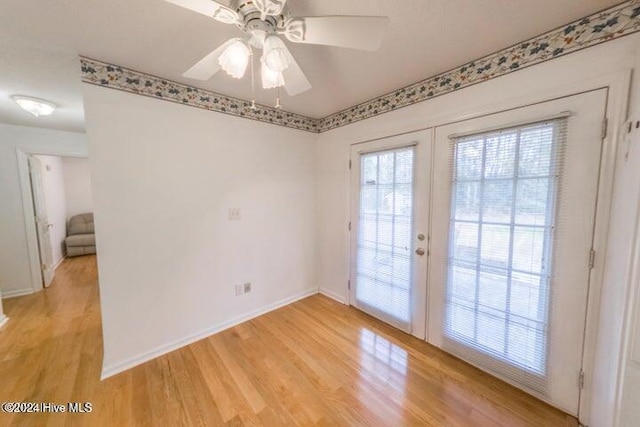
column 58, row 211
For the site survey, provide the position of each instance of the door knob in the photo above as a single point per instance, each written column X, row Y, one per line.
column 420, row 251
column 421, row 237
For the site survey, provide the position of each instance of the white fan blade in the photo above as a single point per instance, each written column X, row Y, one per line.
column 355, row 32
column 295, row 82
column 210, row 8
column 209, row 65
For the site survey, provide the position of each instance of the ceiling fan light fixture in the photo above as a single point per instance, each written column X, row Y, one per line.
column 271, row 79
column 275, row 54
column 37, row 107
column 235, row 58
column 266, row 23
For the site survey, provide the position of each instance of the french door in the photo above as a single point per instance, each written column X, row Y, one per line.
column 511, row 242
column 389, row 219
column 477, row 236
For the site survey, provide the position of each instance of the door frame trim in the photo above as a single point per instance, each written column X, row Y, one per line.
column 618, row 87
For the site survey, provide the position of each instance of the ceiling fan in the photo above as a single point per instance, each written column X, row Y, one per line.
column 264, row 22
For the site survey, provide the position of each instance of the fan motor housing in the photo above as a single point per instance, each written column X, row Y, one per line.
column 252, row 22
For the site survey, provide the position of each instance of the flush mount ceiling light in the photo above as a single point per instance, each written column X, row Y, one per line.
column 263, row 22
column 37, row 107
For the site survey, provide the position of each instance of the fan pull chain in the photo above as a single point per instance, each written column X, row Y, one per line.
column 253, row 83
column 278, row 105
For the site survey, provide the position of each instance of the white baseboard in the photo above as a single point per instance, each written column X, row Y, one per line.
column 111, row 370
column 57, row 264
column 16, row 293
column 333, row 295
column 3, row 320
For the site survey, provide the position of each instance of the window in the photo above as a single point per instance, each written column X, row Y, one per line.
column 501, row 234
column 385, row 221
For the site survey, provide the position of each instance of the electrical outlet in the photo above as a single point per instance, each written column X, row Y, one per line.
column 239, row 290
column 247, row 287
column 234, row 214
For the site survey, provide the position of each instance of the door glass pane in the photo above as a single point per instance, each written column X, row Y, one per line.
column 499, row 246
column 385, row 224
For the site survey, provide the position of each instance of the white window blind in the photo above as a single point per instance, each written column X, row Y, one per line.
column 499, row 276
column 385, row 222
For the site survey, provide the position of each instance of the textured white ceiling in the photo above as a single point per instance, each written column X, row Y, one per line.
column 40, row 41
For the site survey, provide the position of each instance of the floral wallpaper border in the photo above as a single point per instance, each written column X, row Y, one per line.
column 610, row 24
column 600, row 27
column 116, row 77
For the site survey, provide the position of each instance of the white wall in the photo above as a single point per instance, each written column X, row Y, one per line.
column 77, row 185
column 164, row 178
column 55, row 204
column 15, row 270
column 603, row 65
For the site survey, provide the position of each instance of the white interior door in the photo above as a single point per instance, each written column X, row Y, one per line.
column 514, row 204
column 41, row 220
column 389, row 218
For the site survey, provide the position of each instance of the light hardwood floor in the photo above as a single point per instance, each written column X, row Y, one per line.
column 315, row 362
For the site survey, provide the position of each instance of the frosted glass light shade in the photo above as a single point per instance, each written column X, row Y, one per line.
column 234, row 59
column 276, row 54
column 35, row 106
column 271, row 79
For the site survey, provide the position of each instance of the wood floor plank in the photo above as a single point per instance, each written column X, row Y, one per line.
column 243, row 410
column 244, row 384
column 218, row 394
column 312, row 363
